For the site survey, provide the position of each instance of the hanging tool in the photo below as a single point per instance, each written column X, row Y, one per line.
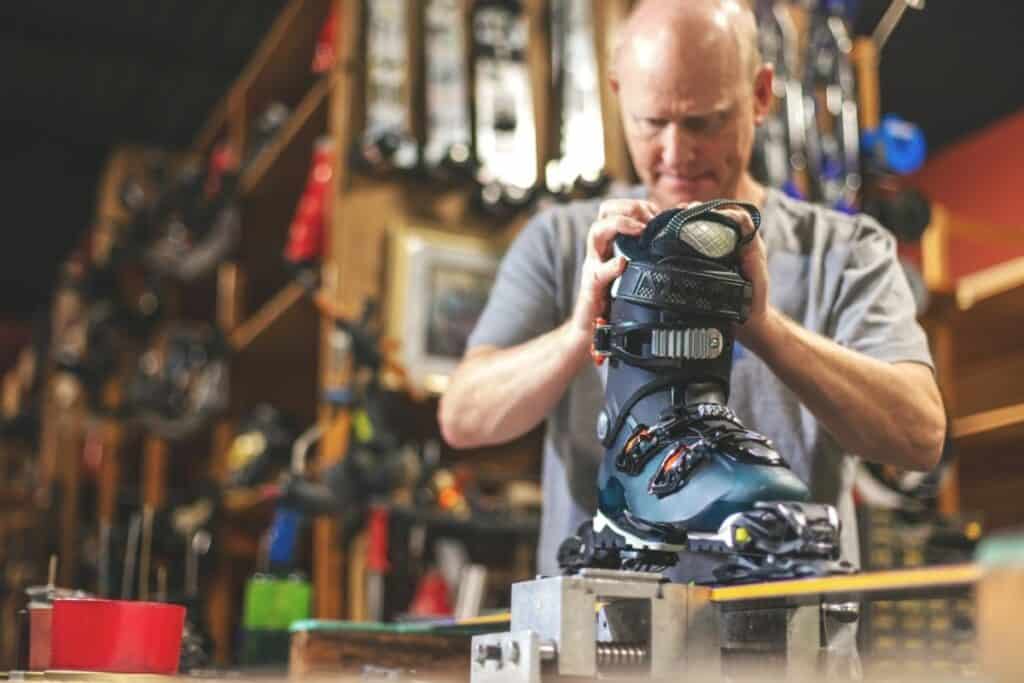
column 893, row 14
column 448, row 147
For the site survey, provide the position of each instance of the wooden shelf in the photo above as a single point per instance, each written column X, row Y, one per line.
column 276, row 356
column 999, row 281
column 1001, row 426
column 273, row 313
column 216, row 126
column 281, row 68
column 296, row 129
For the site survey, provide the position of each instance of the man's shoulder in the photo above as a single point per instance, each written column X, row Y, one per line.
column 559, row 220
column 574, row 214
column 584, row 211
column 801, row 222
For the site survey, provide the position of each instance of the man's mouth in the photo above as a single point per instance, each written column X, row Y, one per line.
column 684, row 181
column 690, row 176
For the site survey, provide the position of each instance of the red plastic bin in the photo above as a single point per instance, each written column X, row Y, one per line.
column 117, row 636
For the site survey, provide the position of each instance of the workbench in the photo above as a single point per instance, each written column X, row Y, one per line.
column 775, row 627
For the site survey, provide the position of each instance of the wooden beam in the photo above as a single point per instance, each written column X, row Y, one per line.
column 268, row 315
column 230, row 296
column 303, row 116
column 990, row 282
column 865, row 62
column 991, row 427
column 538, row 66
column 609, row 16
column 935, row 261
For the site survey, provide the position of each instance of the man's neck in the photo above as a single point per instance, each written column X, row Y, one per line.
column 749, row 190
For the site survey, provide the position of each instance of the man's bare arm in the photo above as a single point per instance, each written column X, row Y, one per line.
column 886, row 412
column 498, row 394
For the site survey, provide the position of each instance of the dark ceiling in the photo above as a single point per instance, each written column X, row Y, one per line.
column 79, row 77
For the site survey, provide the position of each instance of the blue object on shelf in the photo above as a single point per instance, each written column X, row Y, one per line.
column 343, row 397
column 790, row 189
column 284, row 531
column 896, row 145
column 843, row 206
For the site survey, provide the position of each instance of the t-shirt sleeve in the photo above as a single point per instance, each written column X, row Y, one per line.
column 523, row 302
column 874, row 310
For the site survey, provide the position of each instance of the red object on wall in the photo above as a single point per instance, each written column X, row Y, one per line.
column 306, row 241
column 117, row 636
column 978, row 180
column 326, row 55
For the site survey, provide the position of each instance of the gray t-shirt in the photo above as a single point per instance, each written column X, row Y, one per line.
column 836, row 275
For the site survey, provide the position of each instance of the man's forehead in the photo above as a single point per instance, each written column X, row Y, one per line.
column 701, row 105
column 666, row 49
column 695, row 81
column 676, row 35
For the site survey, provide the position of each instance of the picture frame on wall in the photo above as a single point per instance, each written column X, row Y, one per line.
column 438, row 284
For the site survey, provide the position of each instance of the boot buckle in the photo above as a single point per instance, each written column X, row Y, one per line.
column 600, row 347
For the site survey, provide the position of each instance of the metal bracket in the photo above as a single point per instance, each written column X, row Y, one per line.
column 601, row 620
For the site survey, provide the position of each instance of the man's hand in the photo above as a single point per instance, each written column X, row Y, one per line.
column 600, row 268
column 754, row 266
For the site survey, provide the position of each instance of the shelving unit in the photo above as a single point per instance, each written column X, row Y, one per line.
column 271, row 325
column 974, row 327
column 308, row 118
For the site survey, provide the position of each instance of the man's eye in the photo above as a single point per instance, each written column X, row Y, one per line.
column 648, row 125
column 705, row 124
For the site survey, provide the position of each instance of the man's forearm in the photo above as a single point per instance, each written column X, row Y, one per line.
column 885, row 412
column 503, row 393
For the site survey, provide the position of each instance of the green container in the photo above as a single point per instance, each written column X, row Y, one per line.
column 272, row 603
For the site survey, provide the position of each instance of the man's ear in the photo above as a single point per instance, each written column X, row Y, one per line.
column 763, row 96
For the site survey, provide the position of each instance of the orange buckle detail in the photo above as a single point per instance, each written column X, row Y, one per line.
column 596, row 355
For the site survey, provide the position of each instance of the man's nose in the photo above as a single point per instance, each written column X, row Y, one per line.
column 677, row 146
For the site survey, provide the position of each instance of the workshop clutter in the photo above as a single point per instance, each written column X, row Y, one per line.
column 230, row 412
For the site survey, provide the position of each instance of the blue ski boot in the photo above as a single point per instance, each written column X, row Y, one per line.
column 680, row 471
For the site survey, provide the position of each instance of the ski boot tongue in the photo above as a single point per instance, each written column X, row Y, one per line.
column 700, row 231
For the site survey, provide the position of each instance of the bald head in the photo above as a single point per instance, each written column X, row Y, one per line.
column 657, row 29
column 691, row 90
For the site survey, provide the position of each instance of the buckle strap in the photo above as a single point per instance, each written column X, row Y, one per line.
column 717, row 293
column 645, row 442
column 666, row 344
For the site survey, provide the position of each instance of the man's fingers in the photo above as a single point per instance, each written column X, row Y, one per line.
column 742, row 218
column 603, row 231
column 608, row 271
column 638, row 209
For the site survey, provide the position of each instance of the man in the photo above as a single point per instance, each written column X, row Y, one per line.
column 831, row 361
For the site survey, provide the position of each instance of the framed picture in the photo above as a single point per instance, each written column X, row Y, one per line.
column 438, row 284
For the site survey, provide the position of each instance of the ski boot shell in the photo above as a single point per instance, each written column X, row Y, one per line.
column 680, row 471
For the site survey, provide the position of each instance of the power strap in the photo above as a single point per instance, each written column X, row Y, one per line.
column 717, row 293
